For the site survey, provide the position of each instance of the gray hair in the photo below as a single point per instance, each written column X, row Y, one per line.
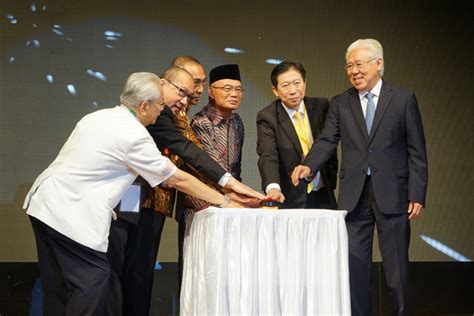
column 372, row 46
column 141, row 86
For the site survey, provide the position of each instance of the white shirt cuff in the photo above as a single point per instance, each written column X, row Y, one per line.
column 272, row 186
column 224, row 179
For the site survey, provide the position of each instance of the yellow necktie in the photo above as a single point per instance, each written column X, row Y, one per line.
column 305, row 142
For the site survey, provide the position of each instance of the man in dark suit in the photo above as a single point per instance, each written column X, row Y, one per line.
column 282, row 144
column 384, row 172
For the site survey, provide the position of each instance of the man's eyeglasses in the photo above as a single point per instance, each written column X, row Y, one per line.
column 199, row 82
column 359, row 64
column 182, row 92
column 228, row 89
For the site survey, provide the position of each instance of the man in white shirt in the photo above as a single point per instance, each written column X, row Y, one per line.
column 71, row 203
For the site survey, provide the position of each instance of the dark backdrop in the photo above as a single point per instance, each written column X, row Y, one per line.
column 48, row 46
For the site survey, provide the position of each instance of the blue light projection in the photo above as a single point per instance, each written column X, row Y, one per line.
column 445, row 249
column 111, row 36
column 96, row 74
column 58, row 32
column 33, row 7
column 36, row 43
column 232, row 50
column 50, row 78
column 72, row 89
column 11, row 18
column 273, row 61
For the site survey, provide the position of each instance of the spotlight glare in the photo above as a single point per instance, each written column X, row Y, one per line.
column 273, row 61
column 232, row 50
column 445, row 249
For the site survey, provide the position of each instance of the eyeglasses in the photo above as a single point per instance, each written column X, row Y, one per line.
column 228, row 89
column 286, row 86
column 359, row 64
column 182, row 92
column 199, row 82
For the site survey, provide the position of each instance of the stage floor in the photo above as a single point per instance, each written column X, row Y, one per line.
column 440, row 288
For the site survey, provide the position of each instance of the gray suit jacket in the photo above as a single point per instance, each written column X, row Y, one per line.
column 395, row 149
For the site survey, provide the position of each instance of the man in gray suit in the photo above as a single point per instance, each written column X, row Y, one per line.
column 383, row 175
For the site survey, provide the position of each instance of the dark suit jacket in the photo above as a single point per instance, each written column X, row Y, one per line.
column 395, row 149
column 166, row 135
column 280, row 151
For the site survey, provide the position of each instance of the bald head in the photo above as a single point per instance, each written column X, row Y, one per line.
column 194, row 67
column 177, row 85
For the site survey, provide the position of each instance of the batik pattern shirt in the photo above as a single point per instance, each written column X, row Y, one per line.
column 222, row 139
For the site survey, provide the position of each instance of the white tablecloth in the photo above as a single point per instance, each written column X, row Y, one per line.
column 265, row 262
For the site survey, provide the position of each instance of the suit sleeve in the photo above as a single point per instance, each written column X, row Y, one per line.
column 267, row 149
column 417, row 158
column 166, row 135
column 325, row 145
column 332, row 164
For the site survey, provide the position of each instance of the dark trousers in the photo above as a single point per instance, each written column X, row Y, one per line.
column 394, row 237
column 133, row 250
column 76, row 280
column 322, row 198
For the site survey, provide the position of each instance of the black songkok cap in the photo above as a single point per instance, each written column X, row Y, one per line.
column 230, row 71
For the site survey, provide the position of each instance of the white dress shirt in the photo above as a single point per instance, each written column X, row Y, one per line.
column 104, row 154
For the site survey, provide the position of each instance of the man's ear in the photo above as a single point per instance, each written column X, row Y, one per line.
column 210, row 92
column 275, row 91
column 143, row 107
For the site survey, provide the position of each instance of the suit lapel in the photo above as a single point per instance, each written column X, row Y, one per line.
column 356, row 108
column 382, row 106
column 313, row 117
column 287, row 126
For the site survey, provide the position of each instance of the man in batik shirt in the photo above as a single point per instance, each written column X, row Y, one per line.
column 219, row 129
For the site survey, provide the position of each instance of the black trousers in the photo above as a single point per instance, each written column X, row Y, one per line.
column 133, row 249
column 76, row 280
column 321, row 199
column 394, row 237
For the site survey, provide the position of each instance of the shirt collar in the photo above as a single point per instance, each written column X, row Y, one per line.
column 291, row 112
column 375, row 90
column 214, row 116
column 132, row 112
